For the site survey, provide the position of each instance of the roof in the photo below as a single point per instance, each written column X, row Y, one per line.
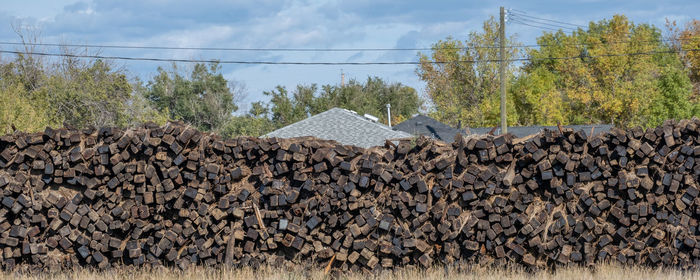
column 522, row 131
column 344, row 126
column 424, row 125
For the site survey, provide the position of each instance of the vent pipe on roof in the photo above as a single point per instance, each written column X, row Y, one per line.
column 371, row 118
column 388, row 112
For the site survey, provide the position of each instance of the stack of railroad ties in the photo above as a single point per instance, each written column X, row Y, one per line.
column 174, row 196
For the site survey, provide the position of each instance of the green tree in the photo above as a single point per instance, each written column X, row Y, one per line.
column 370, row 97
column 537, row 99
column 671, row 102
column 612, row 80
column 87, row 93
column 67, row 90
column 139, row 108
column 462, row 78
column 686, row 40
column 286, row 109
column 17, row 109
column 204, row 99
column 255, row 123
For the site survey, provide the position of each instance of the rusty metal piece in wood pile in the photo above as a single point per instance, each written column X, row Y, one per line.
column 328, row 267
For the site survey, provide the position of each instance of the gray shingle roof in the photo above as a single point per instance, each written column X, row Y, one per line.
column 522, row 131
column 424, row 125
column 344, row 126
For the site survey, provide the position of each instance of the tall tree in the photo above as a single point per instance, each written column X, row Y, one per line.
column 78, row 92
column 204, row 99
column 255, row 123
column 88, row 93
column 18, row 110
column 462, row 77
column 286, row 109
column 370, row 97
column 537, row 99
column 139, row 108
column 686, row 40
column 621, row 73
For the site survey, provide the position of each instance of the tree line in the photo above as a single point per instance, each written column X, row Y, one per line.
column 84, row 93
column 615, row 72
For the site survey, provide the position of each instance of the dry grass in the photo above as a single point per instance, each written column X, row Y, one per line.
column 602, row 271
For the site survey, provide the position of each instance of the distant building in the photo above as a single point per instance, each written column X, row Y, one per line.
column 424, row 125
column 344, row 126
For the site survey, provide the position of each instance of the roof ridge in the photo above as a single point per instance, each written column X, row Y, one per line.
column 358, row 116
column 342, row 125
column 343, row 110
column 386, row 127
column 306, row 119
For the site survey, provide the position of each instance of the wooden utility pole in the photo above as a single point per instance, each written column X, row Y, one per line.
column 502, row 40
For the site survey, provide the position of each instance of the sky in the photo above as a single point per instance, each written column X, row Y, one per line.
column 295, row 24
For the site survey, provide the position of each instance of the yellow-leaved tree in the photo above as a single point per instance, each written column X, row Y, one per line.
column 462, row 78
column 613, row 72
column 686, row 40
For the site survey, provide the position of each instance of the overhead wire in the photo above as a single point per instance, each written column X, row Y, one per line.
column 107, row 46
column 514, row 17
column 536, row 26
column 525, row 15
column 215, row 48
column 334, row 63
column 521, row 17
column 545, row 24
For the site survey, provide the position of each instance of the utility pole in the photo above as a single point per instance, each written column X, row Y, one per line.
column 342, row 78
column 502, row 40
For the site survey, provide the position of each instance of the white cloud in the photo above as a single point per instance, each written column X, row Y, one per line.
column 297, row 24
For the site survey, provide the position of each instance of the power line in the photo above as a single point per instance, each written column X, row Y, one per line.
column 610, row 55
column 542, row 23
column 217, row 49
column 523, row 14
column 214, row 60
column 515, row 10
column 536, row 26
column 657, row 41
column 234, row 49
column 320, row 49
column 335, row 63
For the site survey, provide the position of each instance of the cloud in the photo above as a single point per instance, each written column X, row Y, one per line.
column 355, row 57
column 415, row 11
column 297, row 24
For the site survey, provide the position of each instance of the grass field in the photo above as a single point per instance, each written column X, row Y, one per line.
column 602, row 271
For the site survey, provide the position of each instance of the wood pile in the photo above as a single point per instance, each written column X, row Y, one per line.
column 174, row 196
